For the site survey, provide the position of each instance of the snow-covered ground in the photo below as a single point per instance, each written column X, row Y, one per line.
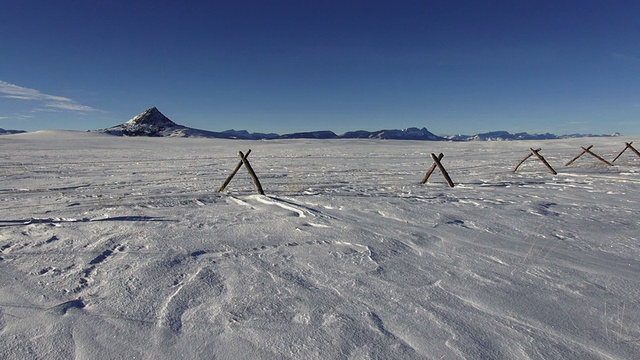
column 121, row 248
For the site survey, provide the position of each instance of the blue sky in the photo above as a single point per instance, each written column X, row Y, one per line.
column 287, row 66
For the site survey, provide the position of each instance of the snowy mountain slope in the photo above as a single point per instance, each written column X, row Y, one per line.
column 112, row 248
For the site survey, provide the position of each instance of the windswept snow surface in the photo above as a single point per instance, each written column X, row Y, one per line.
column 118, row 248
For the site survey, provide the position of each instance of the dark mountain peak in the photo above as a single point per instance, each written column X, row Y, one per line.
column 151, row 117
column 148, row 123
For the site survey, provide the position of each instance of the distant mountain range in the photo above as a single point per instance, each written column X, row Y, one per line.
column 504, row 135
column 6, row 132
column 153, row 123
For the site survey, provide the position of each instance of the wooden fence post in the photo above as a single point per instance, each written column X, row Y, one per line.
column 587, row 150
column 233, row 173
column 577, row 157
column 256, row 182
column 535, row 152
column 543, row 161
column 437, row 163
column 243, row 161
column 436, row 159
column 431, row 169
column 625, row 149
column 525, row 159
column 596, row 156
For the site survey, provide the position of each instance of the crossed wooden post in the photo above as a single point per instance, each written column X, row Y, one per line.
column 537, row 154
column 587, row 150
column 245, row 162
column 625, row 149
column 437, row 163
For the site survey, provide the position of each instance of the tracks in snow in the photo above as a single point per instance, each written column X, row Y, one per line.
column 194, row 291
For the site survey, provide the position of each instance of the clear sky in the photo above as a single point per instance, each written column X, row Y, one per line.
column 287, row 66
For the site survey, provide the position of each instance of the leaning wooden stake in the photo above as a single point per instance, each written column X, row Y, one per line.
column 625, row 149
column 436, row 162
column 525, row 159
column 596, row 156
column 431, row 169
column 233, row 173
column 577, row 157
column 535, row 152
column 245, row 162
column 587, row 150
column 436, row 159
column 256, row 182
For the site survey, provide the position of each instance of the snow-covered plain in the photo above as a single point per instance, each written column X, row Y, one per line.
column 117, row 248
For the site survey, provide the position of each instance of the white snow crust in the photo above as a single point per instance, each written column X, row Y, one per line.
column 121, row 248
